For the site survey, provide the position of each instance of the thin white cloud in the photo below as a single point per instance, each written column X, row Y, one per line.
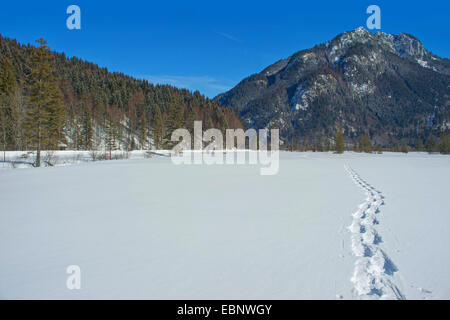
column 205, row 84
column 228, row 36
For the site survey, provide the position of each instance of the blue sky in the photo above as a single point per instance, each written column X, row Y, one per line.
column 210, row 45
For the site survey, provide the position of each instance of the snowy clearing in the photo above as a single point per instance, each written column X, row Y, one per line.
column 25, row 159
column 352, row 226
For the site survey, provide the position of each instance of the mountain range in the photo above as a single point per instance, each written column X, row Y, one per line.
column 388, row 86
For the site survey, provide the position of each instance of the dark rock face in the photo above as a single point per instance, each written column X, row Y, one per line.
column 387, row 85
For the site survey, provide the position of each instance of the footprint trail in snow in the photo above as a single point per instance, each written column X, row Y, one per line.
column 373, row 276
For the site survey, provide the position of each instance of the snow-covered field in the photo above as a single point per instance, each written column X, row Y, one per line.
column 326, row 227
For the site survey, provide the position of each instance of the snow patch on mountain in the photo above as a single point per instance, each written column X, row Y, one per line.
column 306, row 93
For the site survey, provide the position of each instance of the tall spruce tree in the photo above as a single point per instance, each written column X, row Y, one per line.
column 404, row 147
column 430, row 145
column 158, row 128
column 175, row 121
column 143, row 130
column 87, row 131
column 45, row 114
column 364, row 143
column 111, row 135
column 419, row 144
column 339, row 140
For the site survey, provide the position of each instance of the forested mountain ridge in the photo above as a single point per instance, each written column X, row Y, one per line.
column 387, row 86
column 103, row 108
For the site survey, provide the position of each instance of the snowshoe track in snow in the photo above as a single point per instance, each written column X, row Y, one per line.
column 373, row 276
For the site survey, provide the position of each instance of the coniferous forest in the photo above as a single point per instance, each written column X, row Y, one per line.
column 50, row 102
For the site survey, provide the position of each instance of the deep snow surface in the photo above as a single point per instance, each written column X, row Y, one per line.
column 145, row 228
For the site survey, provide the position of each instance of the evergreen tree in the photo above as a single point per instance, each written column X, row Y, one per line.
column 444, row 144
column 209, row 123
column 318, row 146
column 378, row 149
column 143, row 131
column 8, row 109
column 87, row 131
column 174, row 121
column 192, row 116
column 396, row 148
column 327, row 145
column 365, row 144
column 419, row 144
column 307, row 146
column 355, row 146
column 56, row 118
column 222, row 123
column 430, row 145
column 404, row 148
column 339, row 140
column 45, row 114
column 158, row 128
column 110, row 137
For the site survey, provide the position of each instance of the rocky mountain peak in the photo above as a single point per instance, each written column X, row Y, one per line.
column 360, row 34
column 407, row 45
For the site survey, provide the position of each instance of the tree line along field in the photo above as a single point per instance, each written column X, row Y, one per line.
column 432, row 144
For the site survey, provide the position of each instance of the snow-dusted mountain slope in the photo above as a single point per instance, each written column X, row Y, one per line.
column 388, row 85
column 145, row 228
